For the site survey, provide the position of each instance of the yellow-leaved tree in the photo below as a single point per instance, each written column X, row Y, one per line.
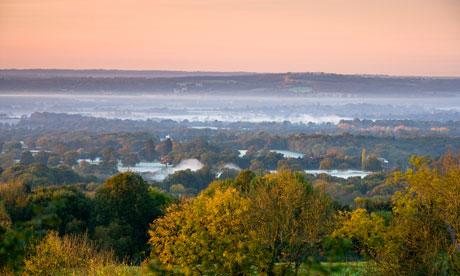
column 422, row 238
column 208, row 235
column 291, row 218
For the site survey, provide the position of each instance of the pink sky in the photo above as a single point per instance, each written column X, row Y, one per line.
column 397, row 37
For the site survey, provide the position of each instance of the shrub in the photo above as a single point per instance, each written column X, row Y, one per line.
column 69, row 255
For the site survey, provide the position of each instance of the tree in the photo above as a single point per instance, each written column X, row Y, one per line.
column 54, row 160
column 73, row 208
column 109, row 154
column 365, row 230
column 290, row 217
column 164, row 147
column 256, row 165
column 93, row 154
column 207, row 236
column 30, row 143
column 326, row 164
column 42, row 157
column 107, row 168
column 165, row 160
column 130, row 159
column 226, row 231
column 60, row 149
column 27, row 158
column 124, row 150
column 71, row 158
column 149, row 153
column 421, row 239
column 37, row 174
column 197, row 180
column 85, row 168
column 11, row 146
column 178, row 190
column 372, row 163
column 291, row 164
column 124, row 208
column 227, row 173
column 251, row 152
column 244, row 179
column 7, row 160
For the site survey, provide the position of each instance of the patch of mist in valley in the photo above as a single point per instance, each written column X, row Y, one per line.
column 231, row 166
column 161, row 173
column 158, row 172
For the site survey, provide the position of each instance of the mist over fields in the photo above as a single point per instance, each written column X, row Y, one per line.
column 228, row 97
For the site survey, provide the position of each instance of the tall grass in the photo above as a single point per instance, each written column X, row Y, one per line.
column 72, row 255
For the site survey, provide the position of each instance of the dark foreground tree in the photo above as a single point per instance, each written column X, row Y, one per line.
column 125, row 205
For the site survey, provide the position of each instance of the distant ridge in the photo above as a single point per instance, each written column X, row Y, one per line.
column 228, row 83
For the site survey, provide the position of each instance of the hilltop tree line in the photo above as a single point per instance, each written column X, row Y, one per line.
column 444, row 124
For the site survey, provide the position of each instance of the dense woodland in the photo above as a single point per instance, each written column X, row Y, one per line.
column 262, row 215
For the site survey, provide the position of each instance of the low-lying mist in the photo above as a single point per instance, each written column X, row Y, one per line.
column 210, row 108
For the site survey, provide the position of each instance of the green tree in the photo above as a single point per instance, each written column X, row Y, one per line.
column 124, row 208
column 178, row 190
column 108, row 168
column 130, row 159
column 11, row 146
column 42, row 157
column 93, row 154
column 197, row 180
column 291, row 164
column 148, row 152
column 7, row 160
column 244, row 179
column 54, row 161
column 26, row 158
column 164, row 147
column 372, row 163
column 73, row 208
column 109, row 154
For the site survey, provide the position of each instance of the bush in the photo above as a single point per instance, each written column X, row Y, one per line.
column 69, row 255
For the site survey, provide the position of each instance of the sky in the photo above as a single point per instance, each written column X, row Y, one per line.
column 394, row 37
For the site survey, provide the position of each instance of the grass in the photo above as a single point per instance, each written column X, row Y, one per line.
column 348, row 269
column 337, row 269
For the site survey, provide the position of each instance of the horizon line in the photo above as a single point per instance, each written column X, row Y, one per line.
column 237, row 72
